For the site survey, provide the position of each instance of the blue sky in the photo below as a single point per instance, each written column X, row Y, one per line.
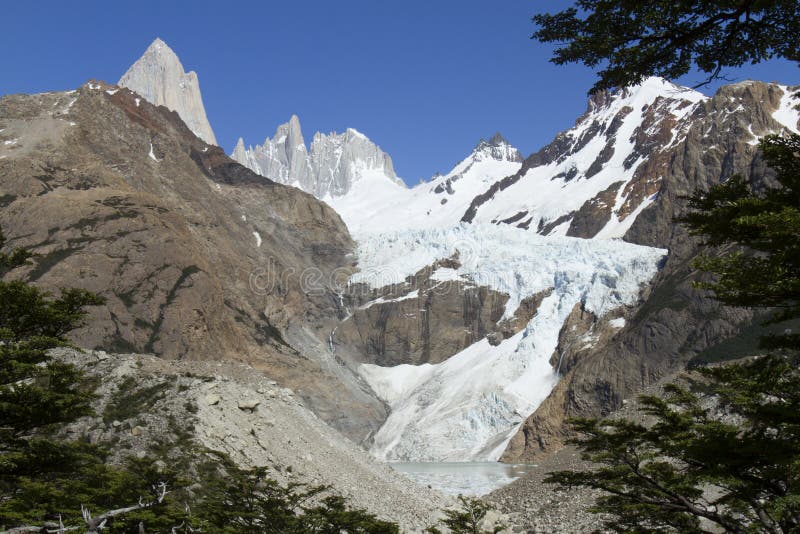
column 424, row 79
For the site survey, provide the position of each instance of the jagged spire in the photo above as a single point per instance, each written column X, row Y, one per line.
column 330, row 167
column 159, row 77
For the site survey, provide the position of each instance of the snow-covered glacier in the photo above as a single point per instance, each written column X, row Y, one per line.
column 468, row 407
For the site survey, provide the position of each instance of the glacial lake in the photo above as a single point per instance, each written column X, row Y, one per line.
column 466, row 478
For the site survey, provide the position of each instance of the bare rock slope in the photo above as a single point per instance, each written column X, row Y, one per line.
column 167, row 407
column 198, row 257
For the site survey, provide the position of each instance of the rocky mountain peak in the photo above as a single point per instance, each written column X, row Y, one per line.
column 239, row 150
column 497, row 148
column 497, row 140
column 293, row 132
column 333, row 164
column 159, row 77
column 159, row 47
column 644, row 93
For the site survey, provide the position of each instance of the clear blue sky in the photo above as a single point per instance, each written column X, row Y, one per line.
column 424, row 79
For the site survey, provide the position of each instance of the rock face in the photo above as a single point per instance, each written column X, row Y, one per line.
column 422, row 323
column 198, row 257
column 159, row 77
column 332, row 167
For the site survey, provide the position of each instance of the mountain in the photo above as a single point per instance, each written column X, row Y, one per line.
column 440, row 201
column 158, row 76
column 335, row 164
column 458, row 259
column 674, row 322
column 462, row 319
column 198, row 257
column 588, row 182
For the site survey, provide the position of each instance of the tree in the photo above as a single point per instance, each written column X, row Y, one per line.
column 467, row 519
column 691, row 466
column 631, row 40
column 765, row 271
column 248, row 501
column 45, row 480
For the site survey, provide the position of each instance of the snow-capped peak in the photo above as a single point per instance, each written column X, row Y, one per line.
column 439, row 202
column 496, row 148
column 329, row 168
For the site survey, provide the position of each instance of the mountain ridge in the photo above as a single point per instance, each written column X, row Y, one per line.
column 331, row 167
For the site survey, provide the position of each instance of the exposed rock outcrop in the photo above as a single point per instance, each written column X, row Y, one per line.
column 159, row 77
column 425, row 320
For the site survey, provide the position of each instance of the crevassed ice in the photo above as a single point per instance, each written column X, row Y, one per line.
column 468, row 407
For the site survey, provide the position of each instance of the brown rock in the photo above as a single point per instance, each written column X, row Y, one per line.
column 119, row 197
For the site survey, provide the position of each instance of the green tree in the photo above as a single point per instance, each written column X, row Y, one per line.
column 466, row 519
column 691, row 468
column 631, row 40
column 249, row 501
column 764, row 271
column 688, row 466
column 43, row 478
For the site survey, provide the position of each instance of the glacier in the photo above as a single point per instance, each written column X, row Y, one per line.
column 468, row 407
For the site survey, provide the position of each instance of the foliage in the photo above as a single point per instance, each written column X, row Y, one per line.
column 466, row 519
column 765, row 271
column 740, row 473
column 43, row 478
column 70, row 475
column 239, row 501
column 631, row 40
column 13, row 259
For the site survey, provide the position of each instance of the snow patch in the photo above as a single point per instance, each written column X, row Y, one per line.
column 619, row 322
column 786, row 114
column 152, row 154
column 381, row 300
column 258, row 238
